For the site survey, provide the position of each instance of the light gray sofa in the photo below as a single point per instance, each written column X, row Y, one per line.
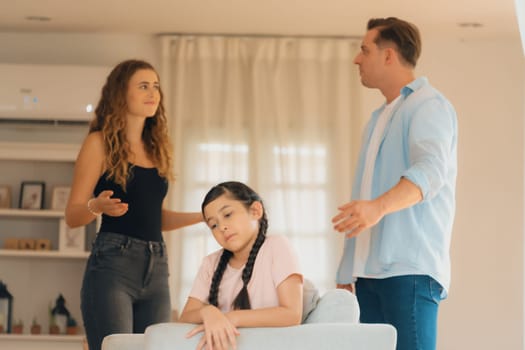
column 314, row 336
column 340, row 330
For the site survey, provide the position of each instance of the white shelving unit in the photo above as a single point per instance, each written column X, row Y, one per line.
column 44, row 213
column 41, row 342
column 38, row 151
column 35, row 278
column 42, row 254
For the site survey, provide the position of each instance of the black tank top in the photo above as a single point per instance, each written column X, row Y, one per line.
column 145, row 193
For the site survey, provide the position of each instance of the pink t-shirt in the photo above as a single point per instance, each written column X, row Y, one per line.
column 275, row 261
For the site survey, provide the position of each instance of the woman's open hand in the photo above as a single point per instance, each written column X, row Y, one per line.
column 109, row 206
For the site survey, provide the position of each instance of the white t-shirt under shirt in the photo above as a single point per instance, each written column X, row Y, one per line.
column 275, row 262
column 362, row 245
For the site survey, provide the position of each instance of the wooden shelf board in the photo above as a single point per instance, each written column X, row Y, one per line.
column 39, row 151
column 43, row 337
column 43, row 254
column 39, row 213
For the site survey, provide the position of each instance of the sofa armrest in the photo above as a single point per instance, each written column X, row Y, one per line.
column 336, row 306
column 123, row 342
column 316, row 336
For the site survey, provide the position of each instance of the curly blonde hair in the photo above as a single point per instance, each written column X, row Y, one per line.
column 110, row 119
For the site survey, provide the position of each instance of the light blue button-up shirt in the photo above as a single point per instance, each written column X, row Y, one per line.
column 420, row 144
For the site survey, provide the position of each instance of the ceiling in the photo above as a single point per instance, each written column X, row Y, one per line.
column 265, row 17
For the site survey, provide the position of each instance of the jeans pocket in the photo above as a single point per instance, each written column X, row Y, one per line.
column 104, row 247
column 436, row 290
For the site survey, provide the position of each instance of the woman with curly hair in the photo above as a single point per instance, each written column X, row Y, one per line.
column 125, row 162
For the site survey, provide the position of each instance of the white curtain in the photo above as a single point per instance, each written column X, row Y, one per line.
column 275, row 113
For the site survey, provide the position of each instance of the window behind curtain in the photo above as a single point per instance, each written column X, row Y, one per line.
column 274, row 113
column 303, row 189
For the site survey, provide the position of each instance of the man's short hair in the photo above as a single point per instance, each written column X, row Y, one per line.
column 403, row 34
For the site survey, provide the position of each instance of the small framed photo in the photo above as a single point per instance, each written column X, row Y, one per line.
column 43, row 244
column 32, row 195
column 59, row 197
column 5, row 196
column 71, row 239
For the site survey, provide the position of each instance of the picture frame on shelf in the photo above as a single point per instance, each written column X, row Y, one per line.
column 59, row 197
column 32, row 195
column 71, row 239
column 42, row 244
column 5, row 196
column 10, row 243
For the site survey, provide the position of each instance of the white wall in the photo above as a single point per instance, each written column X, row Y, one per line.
column 77, row 48
column 485, row 82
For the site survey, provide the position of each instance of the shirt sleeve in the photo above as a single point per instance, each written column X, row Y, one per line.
column 432, row 138
column 284, row 260
column 201, row 285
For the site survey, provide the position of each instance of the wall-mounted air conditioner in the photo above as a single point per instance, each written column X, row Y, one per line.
column 49, row 93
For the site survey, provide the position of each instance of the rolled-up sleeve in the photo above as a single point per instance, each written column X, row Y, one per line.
column 431, row 137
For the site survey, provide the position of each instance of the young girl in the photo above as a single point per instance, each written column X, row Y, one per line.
column 125, row 161
column 254, row 281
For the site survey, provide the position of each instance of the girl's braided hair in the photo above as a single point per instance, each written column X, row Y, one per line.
column 247, row 196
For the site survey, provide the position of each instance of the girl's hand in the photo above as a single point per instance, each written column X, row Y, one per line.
column 109, row 206
column 219, row 332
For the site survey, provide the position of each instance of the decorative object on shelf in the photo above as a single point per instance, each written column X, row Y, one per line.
column 36, row 328
column 71, row 239
column 6, row 308
column 32, row 195
column 53, row 327
column 18, row 327
column 11, row 243
column 43, row 244
column 26, row 244
column 60, row 314
column 60, row 197
column 72, row 327
column 98, row 223
column 5, row 196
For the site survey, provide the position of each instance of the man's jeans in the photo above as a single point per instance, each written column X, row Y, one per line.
column 125, row 287
column 409, row 303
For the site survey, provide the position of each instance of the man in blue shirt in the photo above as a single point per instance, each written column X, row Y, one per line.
column 399, row 222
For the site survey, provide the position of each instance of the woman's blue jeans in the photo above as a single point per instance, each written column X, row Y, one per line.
column 409, row 303
column 125, row 287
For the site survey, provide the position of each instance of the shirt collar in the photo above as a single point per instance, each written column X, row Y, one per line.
column 413, row 86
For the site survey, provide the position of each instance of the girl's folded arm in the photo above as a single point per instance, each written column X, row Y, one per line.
column 288, row 313
column 192, row 311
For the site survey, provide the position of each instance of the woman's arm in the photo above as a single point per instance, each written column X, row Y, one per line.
column 88, row 168
column 288, row 313
column 172, row 220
